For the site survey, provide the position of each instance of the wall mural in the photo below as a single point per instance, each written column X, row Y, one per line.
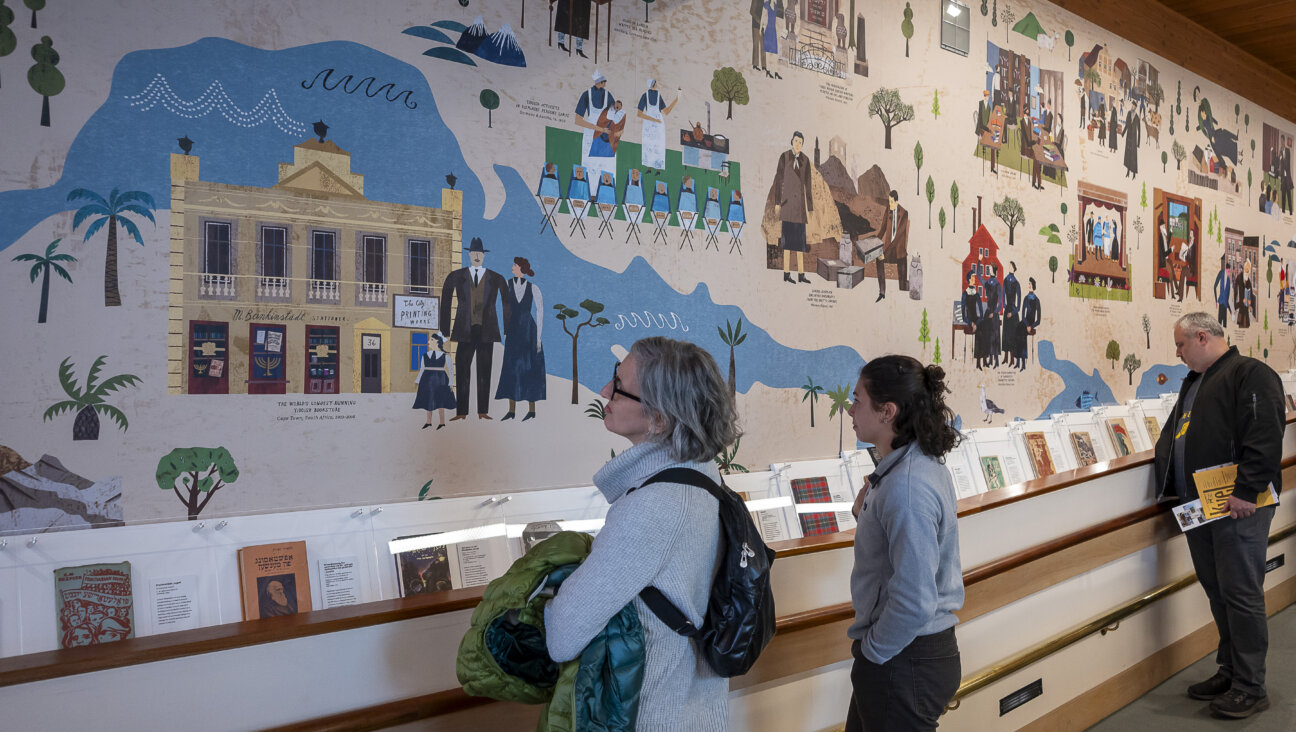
column 380, row 256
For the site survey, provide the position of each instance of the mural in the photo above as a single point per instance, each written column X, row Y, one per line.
column 304, row 232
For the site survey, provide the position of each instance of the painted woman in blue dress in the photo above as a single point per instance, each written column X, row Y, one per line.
column 522, row 374
column 434, row 382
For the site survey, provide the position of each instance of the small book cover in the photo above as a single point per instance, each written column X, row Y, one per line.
column 994, row 474
column 1120, row 437
column 1153, row 428
column 1084, row 449
column 274, row 579
column 420, row 571
column 94, row 604
column 814, row 490
column 1037, row 448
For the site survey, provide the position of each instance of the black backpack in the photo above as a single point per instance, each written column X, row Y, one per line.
column 739, row 619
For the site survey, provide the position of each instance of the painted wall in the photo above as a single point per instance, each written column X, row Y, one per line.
column 231, row 233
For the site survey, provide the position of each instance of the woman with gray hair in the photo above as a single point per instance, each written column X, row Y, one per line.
column 669, row 399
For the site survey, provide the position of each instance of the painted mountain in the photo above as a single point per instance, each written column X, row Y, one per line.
column 501, row 48
column 45, row 496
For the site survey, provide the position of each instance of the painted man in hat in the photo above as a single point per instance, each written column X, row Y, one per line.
column 476, row 324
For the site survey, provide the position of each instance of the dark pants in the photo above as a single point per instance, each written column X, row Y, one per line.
column 902, row 271
column 1229, row 557
column 1223, row 315
column 482, row 350
column 910, row 691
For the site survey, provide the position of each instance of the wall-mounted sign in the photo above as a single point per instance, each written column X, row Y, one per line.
column 411, row 311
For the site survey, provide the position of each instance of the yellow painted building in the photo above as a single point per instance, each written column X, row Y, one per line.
column 303, row 287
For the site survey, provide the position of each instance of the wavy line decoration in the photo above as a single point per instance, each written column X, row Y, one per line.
column 215, row 99
column 663, row 321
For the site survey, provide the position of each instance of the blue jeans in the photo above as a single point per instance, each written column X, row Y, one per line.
column 910, row 691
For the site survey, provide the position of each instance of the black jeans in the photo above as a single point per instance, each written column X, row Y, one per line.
column 910, row 691
column 1229, row 557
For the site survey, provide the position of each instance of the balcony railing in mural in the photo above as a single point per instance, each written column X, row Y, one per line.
column 372, row 292
column 216, row 285
column 274, row 287
column 325, row 290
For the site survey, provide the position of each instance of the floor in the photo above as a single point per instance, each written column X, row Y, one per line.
column 1168, row 707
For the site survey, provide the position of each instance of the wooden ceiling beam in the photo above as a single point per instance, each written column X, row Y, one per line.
column 1186, row 43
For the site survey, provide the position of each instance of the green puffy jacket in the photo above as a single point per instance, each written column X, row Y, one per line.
column 503, row 655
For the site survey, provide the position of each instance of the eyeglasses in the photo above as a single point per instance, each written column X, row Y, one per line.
column 616, row 385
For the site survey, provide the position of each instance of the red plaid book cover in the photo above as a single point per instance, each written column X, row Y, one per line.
column 814, row 490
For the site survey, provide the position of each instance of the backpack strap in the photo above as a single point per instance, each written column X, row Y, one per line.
column 663, row 608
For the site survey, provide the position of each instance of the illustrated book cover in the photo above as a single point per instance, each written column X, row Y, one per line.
column 94, row 604
column 1038, row 450
column 1084, row 449
column 274, row 579
column 814, row 490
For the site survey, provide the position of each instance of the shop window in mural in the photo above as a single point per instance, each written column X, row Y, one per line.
column 1100, row 261
column 268, row 362
column 1020, row 120
column 322, row 359
column 208, row 357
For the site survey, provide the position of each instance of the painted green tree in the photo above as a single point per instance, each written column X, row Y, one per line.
column 1138, row 227
column 646, row 4
column 918, row 161
column 490, row 100
column 940, row 219
column 34, row 5
column 1113, row 352
column 200, row 472
column 1050, row 234
column 1248, row 182
column 1010, row 211
column 596, row 409
column 732, row 337
column 1147, row 330
column 936, row 103
column 890, row 109
column 841, row 403
column 41, row 268
column 1246, row 119
column 1063, row 209
column 728, row 85
column 931, row 198
column 907, row 27
column 592, row 320
column 936, row 357
column 812, row 392
column 924, row 331
column 112, row 211
column 994, row 14
column 1143, row 197
column 1269, row 279
column 1179, row 154
column 1070, row 41
column 954, row 199
column 89, row 401
column 1131, row 364
column 725, row 460
column 1053, row 265
column 44, row 77
column 1008, row 17
column 8, row 41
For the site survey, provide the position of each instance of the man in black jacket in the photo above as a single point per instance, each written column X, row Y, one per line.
column 1230, row 410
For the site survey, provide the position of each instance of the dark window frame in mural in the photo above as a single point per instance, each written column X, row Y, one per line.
column 418, row 269
column 201, row 357
column 274, row 263
column 371, row 270
column 219, row 279
column 324, row 276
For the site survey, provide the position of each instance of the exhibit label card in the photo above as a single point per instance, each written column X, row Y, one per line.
column 340, row 585
column 175, row 603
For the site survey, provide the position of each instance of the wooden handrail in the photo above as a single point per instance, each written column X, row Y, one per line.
column 72, row 661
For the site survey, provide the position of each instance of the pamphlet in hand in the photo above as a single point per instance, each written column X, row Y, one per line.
column 1214, row 486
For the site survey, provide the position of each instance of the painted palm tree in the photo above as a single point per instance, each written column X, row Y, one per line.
column 732, row 336
column 90, row 401
column 42, row 268
column 812, row 392
column 725, row 460
column 112, row 211
column 841, row 402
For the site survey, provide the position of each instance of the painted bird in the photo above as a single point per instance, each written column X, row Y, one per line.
column 185, row 144
column 988, row 408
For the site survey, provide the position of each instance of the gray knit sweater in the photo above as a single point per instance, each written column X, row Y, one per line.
column 666, row 535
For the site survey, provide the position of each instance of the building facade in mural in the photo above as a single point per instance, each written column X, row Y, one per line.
column 306, row 287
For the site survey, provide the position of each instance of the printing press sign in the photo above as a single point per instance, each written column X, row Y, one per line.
column 412, row 311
